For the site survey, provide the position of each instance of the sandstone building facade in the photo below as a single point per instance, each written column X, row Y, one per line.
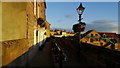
column 100, row 39
column 92, row 33
column 20, row 28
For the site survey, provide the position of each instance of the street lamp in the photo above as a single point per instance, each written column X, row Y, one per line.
column 81, row 25
column 80, row 11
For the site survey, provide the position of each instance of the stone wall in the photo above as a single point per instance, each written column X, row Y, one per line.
column 47, row 29
column 117, row 46
column 31, row 23
column 14, row 41
column 19, row 33
column 42, row 8
column 0, row 33
column 0, row 21
column 13, row 20
column 18, row 29
column 13, row 49
column 95, row 56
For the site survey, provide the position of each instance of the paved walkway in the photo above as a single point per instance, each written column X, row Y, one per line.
column 73, row 60
column 43, row 58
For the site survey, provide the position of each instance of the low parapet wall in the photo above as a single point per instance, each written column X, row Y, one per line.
column 24, row 59
column 96, row 56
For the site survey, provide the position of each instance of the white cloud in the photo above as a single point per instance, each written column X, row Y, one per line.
column 69, row 16
column 103, row 26
column 103, row 21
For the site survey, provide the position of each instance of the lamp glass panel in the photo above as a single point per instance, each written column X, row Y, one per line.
column 80, row 11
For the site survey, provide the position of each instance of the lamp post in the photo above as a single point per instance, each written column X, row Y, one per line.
column 81, row 25
column 80, row 11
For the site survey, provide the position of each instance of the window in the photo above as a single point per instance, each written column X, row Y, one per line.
column 91, row 40
column 97, row 39
column 101, row 44
column 96, row 34
column 91, row 35
column 45, row 33
column 36, row 32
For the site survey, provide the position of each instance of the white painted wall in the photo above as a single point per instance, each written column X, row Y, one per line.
column 38, row 36
column 42, row 37
column 34, row 36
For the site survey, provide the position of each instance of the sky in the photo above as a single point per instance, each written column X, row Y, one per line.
column 101, row 16
column 61, row 0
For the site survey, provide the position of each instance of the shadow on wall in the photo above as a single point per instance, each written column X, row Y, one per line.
column 25, row 58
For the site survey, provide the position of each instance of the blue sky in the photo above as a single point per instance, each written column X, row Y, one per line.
column 101, row 16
